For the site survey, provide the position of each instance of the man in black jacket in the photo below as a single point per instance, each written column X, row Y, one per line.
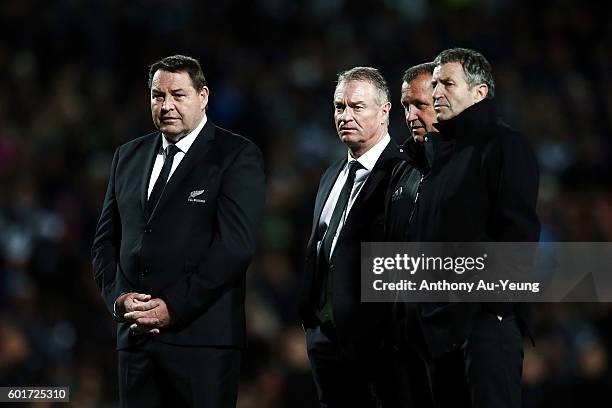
column 482, row 187
column 352, row 361
column 408, row 174
column 175, row 237
column 402, row 197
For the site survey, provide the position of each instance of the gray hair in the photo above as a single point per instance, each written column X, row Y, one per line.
column 367, row 74
column 475, row 66
column 415, row 71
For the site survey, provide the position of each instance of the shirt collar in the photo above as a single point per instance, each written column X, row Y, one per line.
column 369, row 158
column 185, row 143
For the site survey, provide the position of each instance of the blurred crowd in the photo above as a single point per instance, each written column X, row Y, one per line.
column 74, row 87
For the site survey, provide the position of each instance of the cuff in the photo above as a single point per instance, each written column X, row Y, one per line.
column 118, row 319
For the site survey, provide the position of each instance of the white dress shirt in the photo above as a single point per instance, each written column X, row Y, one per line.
column 367, row 161
column 184, row 144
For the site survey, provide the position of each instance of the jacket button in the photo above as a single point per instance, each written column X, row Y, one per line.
column 148, row 230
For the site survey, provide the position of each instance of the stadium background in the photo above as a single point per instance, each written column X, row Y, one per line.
column 73, row 88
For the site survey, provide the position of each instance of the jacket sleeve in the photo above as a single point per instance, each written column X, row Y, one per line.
column 105, row 250
column 516, row 192
column 239, row 212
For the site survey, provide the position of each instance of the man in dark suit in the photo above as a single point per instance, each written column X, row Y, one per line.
column 352, row 362
column 175, row 237
column 481, row 186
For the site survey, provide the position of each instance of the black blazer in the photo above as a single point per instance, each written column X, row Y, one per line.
column 358, row 325
column 194, row 249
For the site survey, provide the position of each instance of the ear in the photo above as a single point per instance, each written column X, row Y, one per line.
column 480, row 92
column 385, row 109
column 203, row 95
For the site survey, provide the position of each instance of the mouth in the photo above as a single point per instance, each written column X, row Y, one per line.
column 169, row 119
column 418, row 131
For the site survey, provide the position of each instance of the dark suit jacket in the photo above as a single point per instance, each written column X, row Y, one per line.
column 482, row 187
column 358, row 325
column 192, row 251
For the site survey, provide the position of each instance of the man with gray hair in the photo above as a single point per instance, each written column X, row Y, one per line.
column 352, row 360
column 482, row 187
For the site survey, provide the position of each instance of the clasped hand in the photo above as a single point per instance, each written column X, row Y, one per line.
column 146, row 314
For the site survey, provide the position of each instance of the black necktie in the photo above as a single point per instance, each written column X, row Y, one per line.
column 325, row 311
column 160, row 183
column 341, row 205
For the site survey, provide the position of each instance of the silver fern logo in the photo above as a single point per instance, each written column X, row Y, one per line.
column 196, row 193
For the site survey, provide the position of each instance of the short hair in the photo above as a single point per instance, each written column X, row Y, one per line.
column 475, row 66
column 180, row 63
column 415, row 71
column 367, row 74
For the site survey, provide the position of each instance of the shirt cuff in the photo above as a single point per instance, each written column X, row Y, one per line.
column 118, row 319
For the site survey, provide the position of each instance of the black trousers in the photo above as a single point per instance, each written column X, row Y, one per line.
column 156, row 374
column 363, row 381
column 413, row 365
column 485, row 372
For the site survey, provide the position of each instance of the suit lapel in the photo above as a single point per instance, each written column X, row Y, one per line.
column 197, row 150
column 383, row 165
column 150, row 155
column 327, row 184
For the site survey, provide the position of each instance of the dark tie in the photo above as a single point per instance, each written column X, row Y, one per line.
column 161, row 181
column 324, row 254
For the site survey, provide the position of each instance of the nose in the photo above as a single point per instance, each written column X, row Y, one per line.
column 167, row 104
column 411, row 114
column 437, row 92
column 346, row 115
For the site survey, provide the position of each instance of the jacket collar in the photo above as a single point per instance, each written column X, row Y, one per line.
column 481, row 113
column 387, row 159
column 199, row 147
column 415, row 153
column 453, row 133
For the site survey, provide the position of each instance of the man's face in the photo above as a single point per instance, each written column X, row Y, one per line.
column 176, row 106
column 418, row 106
column 451, row 92
column 361, row 118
